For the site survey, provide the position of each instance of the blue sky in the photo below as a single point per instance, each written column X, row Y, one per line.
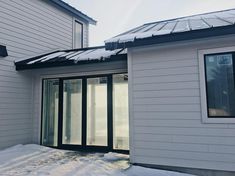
column 117, row 16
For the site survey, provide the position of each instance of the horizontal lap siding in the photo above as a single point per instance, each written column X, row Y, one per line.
column 166, row 126
column 28, row 28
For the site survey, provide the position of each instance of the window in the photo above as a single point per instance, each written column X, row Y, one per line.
column 217, row 80
column 72, row 111
column 78, row 32
column 50, row 112
column 220, row 85
column 97, row 111
column 120, row 112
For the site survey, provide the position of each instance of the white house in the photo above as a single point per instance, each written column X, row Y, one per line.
column 29, row 28
column 181, row 92
column 177, row 74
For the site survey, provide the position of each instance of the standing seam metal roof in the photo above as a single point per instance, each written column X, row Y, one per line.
column 207, row 21
column 72, row 57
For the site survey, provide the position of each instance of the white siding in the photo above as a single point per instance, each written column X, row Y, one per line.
column 85, row 35
column 27, row 28
column 165, row 118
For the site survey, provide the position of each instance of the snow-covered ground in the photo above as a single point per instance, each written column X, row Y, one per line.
column 31, row 159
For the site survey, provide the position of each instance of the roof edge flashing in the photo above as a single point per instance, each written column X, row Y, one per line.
column 74, row 11
column 174, row 37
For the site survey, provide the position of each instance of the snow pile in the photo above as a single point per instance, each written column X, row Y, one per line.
column 19, row 152
column 35, row 160
column 115, row 156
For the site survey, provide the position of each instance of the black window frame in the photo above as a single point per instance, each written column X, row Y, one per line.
column 205, row 69
column 42, row 109
column 74, row 34
column 84, row 146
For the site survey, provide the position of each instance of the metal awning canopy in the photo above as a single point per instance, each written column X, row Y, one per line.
column 3, row 51
column 72, row 57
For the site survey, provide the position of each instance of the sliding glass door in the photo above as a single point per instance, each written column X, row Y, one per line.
column 50, row 112
column 72, row 112
column 86, row 112
column 97, row 111
column 120, row 112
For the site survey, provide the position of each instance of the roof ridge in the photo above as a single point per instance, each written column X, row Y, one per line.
column 172, row 19
column 84, row 49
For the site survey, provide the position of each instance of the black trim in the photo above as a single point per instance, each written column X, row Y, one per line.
column 204, row 57
column 173, row 37
column 84, row 111
column 110, row 111
column 42, row 99
column 3, row 51
column 60, row 113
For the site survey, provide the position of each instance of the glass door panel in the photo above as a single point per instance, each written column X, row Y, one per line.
column 50, row 112
column 120, row 112
column 97, row 111
column 72, row 112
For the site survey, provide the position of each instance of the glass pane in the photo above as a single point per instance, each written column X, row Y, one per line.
column 220, row 85
column 72, row 111
column 97, row 111
column 120, row 112
column 78, row 35
column 50, row 112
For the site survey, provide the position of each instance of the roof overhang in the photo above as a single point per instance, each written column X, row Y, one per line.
column 174, row 37
column 74, row 11
column 3, row 51
column 74, row 57
column 199, row 26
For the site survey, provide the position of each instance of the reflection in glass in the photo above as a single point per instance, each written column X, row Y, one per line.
column 50, row 112
column 120, row 112
column 220, row 85
column 97, row 111
column 78, row 35
column 72, row 111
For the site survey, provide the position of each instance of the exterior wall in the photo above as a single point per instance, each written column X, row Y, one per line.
column 28, row 28
column 166, row 126
column 82, row 70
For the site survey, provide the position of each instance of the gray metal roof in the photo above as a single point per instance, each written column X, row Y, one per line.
column 74, row 11
column 72, row 57
column 174, row 26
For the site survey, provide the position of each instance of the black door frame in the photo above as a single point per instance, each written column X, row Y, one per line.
column 83, row 146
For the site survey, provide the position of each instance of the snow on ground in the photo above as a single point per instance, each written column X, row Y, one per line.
column 35, row 160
